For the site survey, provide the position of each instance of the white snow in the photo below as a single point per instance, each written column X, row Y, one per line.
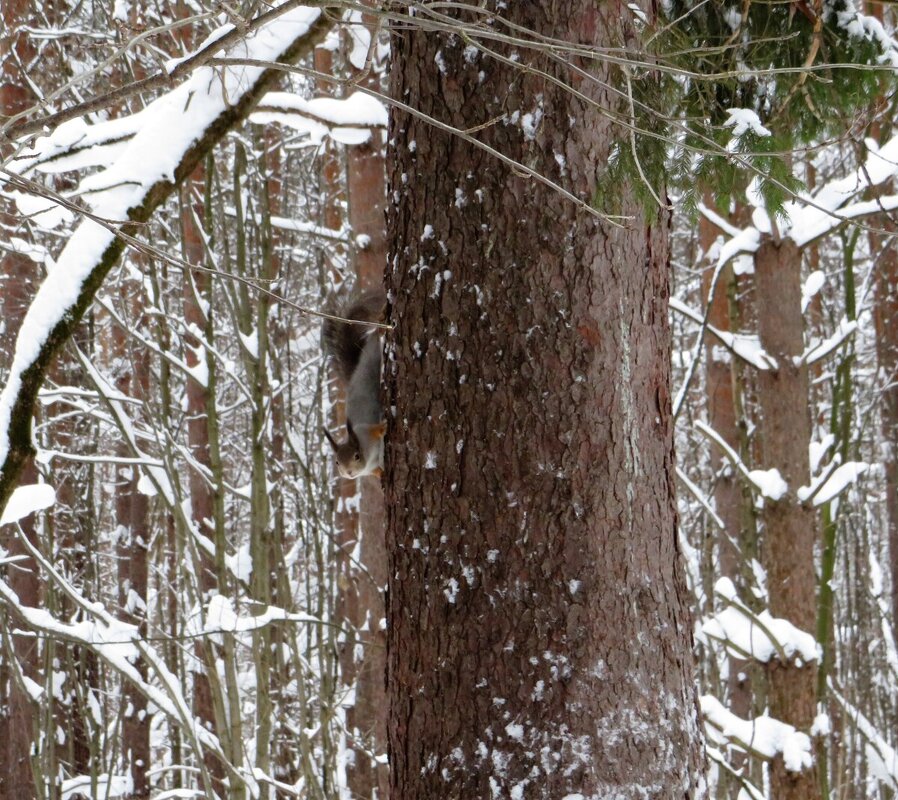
column 221, row 617
column 763, row 736
column 360, row 40
column 769, row 483
column 760, row 636
column 107, row 786
column 820, row 350
column 171, row 124
column 44, row 211
column 347, row 121
column 26, row 500
column 746, row 346
column 211, row 39
column 743, row 120
column 816, row 450
column 811, row 287
column 843, row 477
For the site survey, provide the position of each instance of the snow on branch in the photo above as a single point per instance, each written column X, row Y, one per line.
column 821, row 350
column 347, row 121
column 762, row 737
column 768, row 482
column 222, row 618
column 758, row 636
column 809, row 217
column 26, row 500
column 118, row 643
column 832, row 483
column 748, row 791
column 75, row 145
column 745, row 346
column 180, row 128
column 107, row 786
column 228, row 38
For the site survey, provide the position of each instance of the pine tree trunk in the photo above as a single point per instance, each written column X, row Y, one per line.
column 367, row 777
column 539, row 633
column 790, row 528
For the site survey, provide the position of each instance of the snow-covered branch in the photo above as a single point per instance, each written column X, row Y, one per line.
column 768, row 482
column 744, row 346
column 226, row 38
column 758, row 636
column 809, row 217
column 181, row 127
column 762, row 737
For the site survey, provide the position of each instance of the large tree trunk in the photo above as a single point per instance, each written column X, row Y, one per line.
column 539, row 634
column 790, row 528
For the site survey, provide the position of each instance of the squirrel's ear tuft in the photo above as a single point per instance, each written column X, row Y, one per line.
column 378, row 431
column 331, row 439
column 351, row 432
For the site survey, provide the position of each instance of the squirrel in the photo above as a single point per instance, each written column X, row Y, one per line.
column 355, row 349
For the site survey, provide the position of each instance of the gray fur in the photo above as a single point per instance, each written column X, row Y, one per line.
column 355, row 349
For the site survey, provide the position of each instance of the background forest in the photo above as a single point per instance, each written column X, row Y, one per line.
column 195, row 608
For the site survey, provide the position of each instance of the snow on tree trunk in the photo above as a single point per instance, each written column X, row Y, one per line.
column 539, row 633
column 731, row 502
column 790, row 527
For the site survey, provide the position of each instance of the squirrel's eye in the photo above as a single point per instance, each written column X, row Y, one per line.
column 358, row 456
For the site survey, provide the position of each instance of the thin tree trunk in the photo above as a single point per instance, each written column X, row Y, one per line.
column 727, row 487
column 539, row 633
column 204, row 489
column 367, row 776
column 17, row 276
column 885, row 318
column 790, row 528
column 131, row 550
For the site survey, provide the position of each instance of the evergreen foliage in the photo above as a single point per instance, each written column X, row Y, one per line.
column 797, row 67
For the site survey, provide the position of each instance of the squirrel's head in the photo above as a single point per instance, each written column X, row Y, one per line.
column 350, row 460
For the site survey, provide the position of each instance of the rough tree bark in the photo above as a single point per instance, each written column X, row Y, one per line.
column 539, row 633
column 790, row 528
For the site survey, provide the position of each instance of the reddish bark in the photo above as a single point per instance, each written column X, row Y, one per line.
column 790, row 528
column 539, row 634
column 18, row 276
column 729, row 496
column 132, row 545
column 202, row 492
column 367, row 719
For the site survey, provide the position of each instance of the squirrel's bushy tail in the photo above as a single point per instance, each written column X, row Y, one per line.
column 343, row 341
